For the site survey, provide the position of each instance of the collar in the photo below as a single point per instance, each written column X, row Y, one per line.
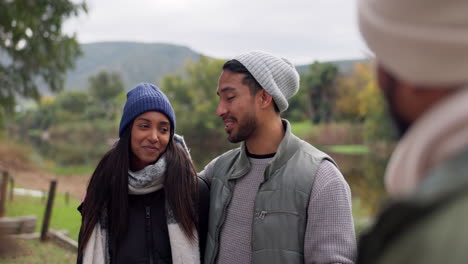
column 288, row 146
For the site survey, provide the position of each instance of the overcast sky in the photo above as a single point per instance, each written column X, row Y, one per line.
column 300, row 30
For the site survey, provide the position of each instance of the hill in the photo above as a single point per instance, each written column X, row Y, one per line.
column 344, row 66
column 142, row 62
column 136, row 62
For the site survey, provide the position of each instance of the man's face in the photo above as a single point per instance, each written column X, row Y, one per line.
column 236, row 106
column 389, row 86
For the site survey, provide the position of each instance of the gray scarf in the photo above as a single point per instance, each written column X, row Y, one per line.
column 149, row 179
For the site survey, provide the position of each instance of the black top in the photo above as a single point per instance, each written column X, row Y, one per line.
column 264, row 156
column 147, row 235
column 147, row 238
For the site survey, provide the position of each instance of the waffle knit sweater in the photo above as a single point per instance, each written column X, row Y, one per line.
column 329, row 237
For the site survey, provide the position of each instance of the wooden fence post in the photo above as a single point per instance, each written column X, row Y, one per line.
column 48, row 212
column 3, row 193
column 12, row 187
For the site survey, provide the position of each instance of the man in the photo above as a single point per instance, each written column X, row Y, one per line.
column 276, row 199
column 421, row 49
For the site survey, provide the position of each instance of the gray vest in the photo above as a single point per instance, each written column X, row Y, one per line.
column 281, row 203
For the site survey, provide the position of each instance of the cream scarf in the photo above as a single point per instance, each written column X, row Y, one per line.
column 439, row 134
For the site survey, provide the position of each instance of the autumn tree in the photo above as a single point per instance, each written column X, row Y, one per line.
column 357, row 94
column 359, row 99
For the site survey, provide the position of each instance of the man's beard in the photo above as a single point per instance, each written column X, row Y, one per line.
column 245, row 130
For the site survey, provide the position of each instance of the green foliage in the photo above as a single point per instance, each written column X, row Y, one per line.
column 192, row 93
column 78, row 143
column 105, row 86
column 379, row 127
column 70, row 129
column 303, row 129
column 361, row 215
column 359, row 99
column 348, row 149
column 299, row 106
column 73, row 102
column 105, row 90
column 33, row 47
column 319, row 84
column 73, row 170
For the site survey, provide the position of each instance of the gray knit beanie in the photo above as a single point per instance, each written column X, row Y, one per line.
column 276, row 75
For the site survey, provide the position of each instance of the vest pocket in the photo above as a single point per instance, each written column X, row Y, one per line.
column 278, row 230
column 263, row 214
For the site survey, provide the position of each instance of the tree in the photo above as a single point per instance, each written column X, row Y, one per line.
column 33, row 48
column 192, row 93
column 105, row 86
column 319, row 83
column 357, row 94
column 359, row 99
column 105, row 89
column 73, row 102
column 299, row 106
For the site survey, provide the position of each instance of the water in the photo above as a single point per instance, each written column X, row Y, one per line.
column 364, row 174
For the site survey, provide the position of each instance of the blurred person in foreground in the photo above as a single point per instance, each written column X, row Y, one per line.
column 276, row 198
column 144, row 203
column 421, row 49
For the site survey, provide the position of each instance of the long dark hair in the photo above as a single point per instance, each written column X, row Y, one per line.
column 108, row 188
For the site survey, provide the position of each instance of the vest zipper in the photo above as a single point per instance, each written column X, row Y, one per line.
column 149, row 235
column 262, row 214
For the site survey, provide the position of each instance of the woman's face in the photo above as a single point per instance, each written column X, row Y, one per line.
column 150, row 135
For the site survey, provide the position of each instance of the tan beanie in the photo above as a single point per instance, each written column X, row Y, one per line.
column 276, row 75
column 420, row 41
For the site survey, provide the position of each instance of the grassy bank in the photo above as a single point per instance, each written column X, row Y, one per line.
column 347, row 149
column 71, row 170
column 64, row 216
column 35, row 252
column 303, row 129
column 318, row 133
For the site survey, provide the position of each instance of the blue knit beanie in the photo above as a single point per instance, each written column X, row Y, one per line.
column 143, row 98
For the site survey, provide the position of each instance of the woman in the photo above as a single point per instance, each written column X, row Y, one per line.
column 144, row 203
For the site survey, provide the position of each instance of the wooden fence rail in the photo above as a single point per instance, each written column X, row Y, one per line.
column 24, row 226
column 18, row 225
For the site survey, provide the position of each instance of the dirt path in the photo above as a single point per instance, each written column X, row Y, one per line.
column 29, row 176
column 37, row 180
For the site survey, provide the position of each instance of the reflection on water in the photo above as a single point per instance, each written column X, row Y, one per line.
column 364, row 174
